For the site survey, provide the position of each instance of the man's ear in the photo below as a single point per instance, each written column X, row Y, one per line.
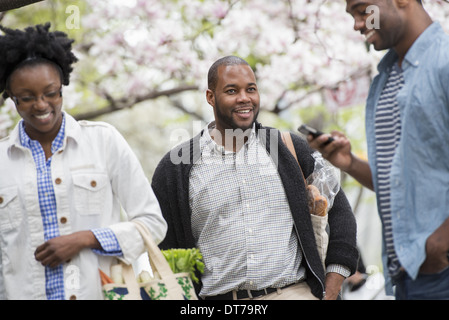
column 210, row 97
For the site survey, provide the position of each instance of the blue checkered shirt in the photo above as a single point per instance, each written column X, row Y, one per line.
column 54, row 277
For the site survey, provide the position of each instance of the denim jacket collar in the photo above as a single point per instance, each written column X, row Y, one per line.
column 412, row 58
column 421, row 44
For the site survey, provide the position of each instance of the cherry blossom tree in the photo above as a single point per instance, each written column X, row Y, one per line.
column 143, row 66
column 157, row 54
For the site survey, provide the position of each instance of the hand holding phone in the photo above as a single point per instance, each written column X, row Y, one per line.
column 314, row 132
column 339, row 154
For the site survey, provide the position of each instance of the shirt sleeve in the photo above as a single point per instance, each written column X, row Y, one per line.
column 337, row 268
column 108, row 241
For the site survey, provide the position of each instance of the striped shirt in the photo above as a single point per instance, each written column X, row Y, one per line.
column 47, row 202
column 388, row 134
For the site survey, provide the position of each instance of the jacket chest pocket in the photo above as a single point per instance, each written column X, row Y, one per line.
column 10, row 213
column 89, row 192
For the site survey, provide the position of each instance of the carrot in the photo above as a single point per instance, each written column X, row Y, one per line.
column 104, row 278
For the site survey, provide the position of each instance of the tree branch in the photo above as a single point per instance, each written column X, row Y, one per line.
column 358, row 74
column 125, row 103
column 181, row 107
column 14, row 4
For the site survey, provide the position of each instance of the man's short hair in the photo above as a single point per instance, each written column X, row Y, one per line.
column 212, row 77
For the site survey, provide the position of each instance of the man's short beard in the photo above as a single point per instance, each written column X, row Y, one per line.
column 230, row 122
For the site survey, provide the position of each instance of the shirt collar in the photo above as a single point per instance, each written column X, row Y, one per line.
column 414, row 53
column 421, row 44
column 56, row 144
column 208, row 141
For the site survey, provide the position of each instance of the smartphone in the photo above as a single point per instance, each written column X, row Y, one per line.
column 304, row 129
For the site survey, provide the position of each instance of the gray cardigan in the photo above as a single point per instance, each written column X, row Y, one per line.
column 171, row 186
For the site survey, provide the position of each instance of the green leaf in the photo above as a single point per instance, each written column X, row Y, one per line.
column 185, row 260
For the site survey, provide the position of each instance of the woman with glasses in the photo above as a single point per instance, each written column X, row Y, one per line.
column 62, row 182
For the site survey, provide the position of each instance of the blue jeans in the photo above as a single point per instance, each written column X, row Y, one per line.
column 425, row 287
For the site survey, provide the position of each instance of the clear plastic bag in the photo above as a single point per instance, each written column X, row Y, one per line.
column 323, row 186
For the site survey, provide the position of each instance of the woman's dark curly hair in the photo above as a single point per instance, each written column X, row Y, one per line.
column 34, row 45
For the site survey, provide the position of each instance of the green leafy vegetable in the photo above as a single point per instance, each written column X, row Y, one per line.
column 185, row 260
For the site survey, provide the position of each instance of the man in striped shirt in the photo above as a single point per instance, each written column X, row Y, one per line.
column 407, row 116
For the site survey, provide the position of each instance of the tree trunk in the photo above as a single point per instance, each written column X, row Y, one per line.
column 14, row 4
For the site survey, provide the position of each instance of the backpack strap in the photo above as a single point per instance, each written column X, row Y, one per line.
column 287, row 139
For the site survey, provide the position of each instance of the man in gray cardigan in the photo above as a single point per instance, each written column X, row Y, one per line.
column 242, row 201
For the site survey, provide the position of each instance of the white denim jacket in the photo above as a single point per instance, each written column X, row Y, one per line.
column 98, row 182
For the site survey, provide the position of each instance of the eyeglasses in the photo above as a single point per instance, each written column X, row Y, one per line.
column 49, row 97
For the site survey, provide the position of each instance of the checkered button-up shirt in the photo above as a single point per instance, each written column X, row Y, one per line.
column 241, row 220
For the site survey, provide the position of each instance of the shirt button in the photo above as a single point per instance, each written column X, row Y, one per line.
column 63, row 220
column 1, row 200
column 93, row 183
column 58, row 181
